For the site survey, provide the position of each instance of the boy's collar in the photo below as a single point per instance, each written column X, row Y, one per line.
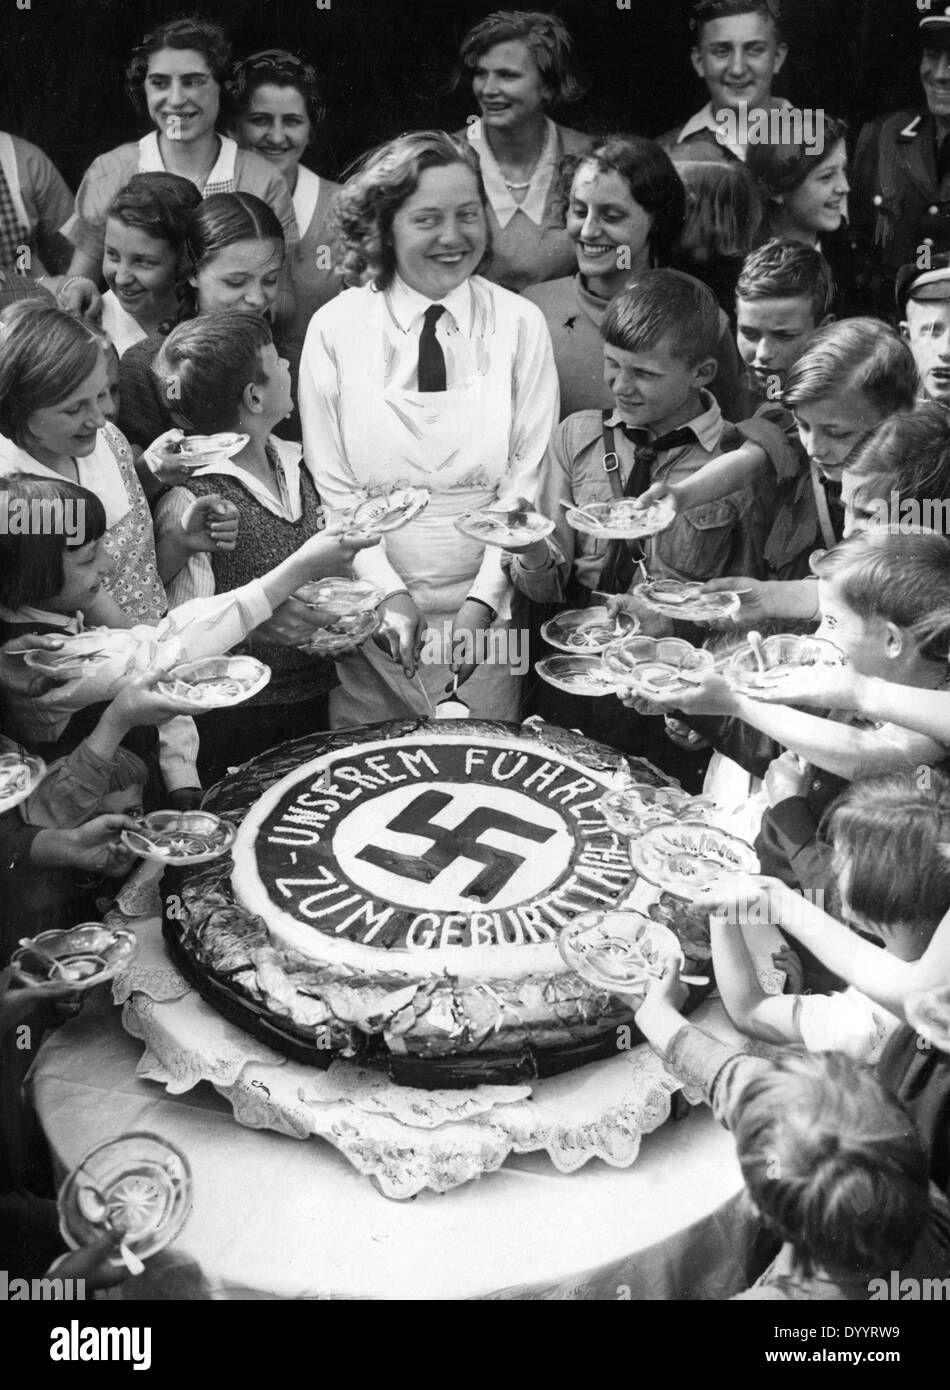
column 707, row 426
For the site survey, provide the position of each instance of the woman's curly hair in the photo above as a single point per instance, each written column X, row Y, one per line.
column 376, row 189
column 547, row 37
column 192, row 33
column 282, row 69
column 651, row 177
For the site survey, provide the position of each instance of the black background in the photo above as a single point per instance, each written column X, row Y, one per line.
column 385, row 64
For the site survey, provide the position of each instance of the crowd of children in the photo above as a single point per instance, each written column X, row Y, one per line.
column 820, row 500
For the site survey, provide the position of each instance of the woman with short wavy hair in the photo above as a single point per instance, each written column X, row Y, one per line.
column 427, row 375
column 520, row 64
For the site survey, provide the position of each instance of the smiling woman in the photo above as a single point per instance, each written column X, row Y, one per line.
column 426, row 375
column 53, row 395
column 176, row 78
column 520, row 64
column 277, row 96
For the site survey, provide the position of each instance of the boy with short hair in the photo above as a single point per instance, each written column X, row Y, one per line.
column 659, row 357
column 738, row 49
column 783, row 298
column 875, row 590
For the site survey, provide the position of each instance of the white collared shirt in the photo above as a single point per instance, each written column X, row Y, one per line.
column 99, row 472
column 705, row 120
column 504, row 204
column 124, row 330
column 196, row 578
column 220, row 180
column 306, row 196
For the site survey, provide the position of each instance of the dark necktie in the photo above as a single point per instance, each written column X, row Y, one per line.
column 431, row 356
column 621, row 567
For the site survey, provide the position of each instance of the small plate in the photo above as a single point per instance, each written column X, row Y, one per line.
column 216, row 682
column 388, row 512
column 82, row 653
column 338, row 597
column 344, row 634
column 20, row 775
column 180, row 837
column 493, row 528
column 783, row 654
column 577, row 675
column 654, row 665
column 675, row 598
column 689, row 858
column 137, row 1184
column 199, row 449
column 618, row 951
column 633, row 809
column 587, row 631
column 621, row 519
column 85, row 956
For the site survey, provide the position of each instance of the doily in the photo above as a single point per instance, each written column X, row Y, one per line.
column 404, row 1139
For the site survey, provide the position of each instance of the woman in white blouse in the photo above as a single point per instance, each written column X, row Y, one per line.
column 520, row 65
column 413, row 224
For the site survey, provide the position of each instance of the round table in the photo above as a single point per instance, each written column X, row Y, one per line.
column 277, row 1217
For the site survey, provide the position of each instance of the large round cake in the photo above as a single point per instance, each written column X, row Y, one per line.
column 396, row 892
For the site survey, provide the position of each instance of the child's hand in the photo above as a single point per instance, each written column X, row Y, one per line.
column 96, row 846
column 331, row 551
column 93, row 1263
column 820, row 686
column 77, row 294
column 755, row 606
column 17, row 1004
column 791, row 962
column 785, row 777
column 139, row 704
column 682, row 736
column 746, row 898
column 708, row 693
column 668, row 990
column 656, row 493
column 163, row 459
column 652, row 624
column 211, row 524
column 21, row 679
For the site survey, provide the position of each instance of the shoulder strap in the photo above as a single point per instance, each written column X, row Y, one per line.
column 611, row 457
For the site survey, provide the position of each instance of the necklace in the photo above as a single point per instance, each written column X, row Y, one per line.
column 520, row 187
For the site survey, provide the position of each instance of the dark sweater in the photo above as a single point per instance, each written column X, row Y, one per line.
column 264, row 541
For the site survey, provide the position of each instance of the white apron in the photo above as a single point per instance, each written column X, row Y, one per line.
column 455, row 443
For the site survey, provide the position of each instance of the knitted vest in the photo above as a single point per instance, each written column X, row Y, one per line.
column 264, row 540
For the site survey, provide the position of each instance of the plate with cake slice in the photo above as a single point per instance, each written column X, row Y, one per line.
column 621, row 951
column 386, row 512
column 622, row 519
column 587, row 631
column 576, row 675
column 215, row 682
column 676, row 598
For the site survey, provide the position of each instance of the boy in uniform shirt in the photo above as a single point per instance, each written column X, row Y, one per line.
column 659, row 357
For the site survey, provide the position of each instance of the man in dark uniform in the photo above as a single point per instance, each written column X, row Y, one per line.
column 900, row 205
column 737, row 51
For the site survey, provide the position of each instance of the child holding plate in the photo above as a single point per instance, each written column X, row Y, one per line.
column 231, row 378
